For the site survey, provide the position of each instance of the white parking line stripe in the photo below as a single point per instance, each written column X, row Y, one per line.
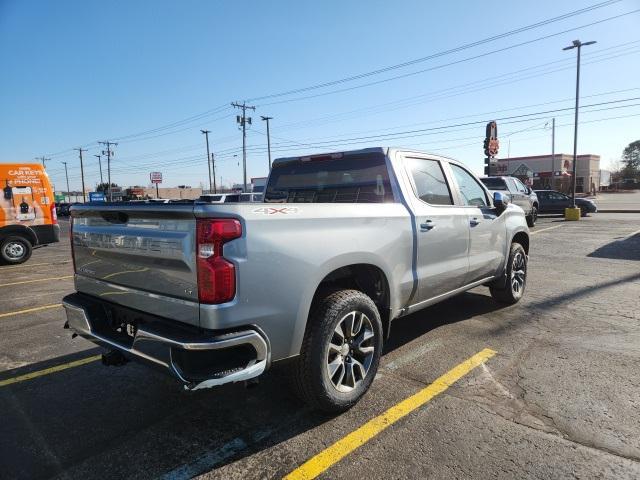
column 545, row 229
column 632, row 234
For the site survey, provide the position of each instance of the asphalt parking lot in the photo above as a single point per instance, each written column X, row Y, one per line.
column 559, row 398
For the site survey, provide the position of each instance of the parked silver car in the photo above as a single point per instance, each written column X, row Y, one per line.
column 343, row 244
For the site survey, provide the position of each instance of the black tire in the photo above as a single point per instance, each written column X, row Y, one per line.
column 508, row 293
column 311, row 377
column 15, row 249
column 532, row 217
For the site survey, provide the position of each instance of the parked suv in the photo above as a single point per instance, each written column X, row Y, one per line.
column 343, row 244
column 520, row 194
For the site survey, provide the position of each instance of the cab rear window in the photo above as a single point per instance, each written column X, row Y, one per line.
column 358, row 178
column 494, row 183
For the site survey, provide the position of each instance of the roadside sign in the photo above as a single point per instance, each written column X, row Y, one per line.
column 96, row 197
column 156, row 177
column 59, row 197
column 491, row 143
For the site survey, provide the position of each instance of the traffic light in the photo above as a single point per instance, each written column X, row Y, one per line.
column 487, row 168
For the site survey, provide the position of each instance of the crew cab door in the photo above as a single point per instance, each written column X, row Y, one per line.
column 518, row 194
column 442, row 229
column 487, row 230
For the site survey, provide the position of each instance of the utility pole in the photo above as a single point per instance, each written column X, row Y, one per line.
column 206, row 134
column 80, row 150
column 266, row 119
column 242, row 120
column 43, row 159
column 66, row 173
column 213, row 165
column 576, row 44
column 553, row 151
column 100, row 165
column 108, row 153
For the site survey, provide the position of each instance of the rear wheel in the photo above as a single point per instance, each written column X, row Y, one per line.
column 513, row 289
column 15, row 249
column 340, row 352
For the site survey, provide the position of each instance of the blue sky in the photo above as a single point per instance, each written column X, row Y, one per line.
column 75, row 72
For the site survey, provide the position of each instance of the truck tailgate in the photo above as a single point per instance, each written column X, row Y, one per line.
column 141, row 256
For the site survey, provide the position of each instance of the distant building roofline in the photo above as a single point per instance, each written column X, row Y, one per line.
column 547, row 156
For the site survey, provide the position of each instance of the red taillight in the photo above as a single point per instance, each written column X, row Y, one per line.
column 73, row 254
column 54, row 214
column 216, row 275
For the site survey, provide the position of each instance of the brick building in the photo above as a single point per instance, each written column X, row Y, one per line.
column 539, row 171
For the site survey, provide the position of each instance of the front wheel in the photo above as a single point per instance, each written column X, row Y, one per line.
column 513, row 289
column 533, row 216
column 340, row 352
column 15, row 249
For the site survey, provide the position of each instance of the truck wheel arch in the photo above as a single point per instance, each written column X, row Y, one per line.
column 19, row 230
column 523, row 239
column 368, row 278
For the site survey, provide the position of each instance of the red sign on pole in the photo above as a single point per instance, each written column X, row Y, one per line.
column 156, row 177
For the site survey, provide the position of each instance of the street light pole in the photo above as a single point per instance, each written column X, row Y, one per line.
column 553, row 151
column 84, row 196
column 576, row 44
column 266, row 119
column 66, row 173
column 206, row 134
column 100, row 165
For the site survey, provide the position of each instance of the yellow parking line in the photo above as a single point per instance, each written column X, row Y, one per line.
column 32, row 265
column 47, row 371
column 34, row 281
column 29, row 310
column 545, row 229
column 333, row 454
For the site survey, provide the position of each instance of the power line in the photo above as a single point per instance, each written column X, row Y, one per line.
column 441, row 94
column 136, row 136
column 438, row 54
column 456, row 62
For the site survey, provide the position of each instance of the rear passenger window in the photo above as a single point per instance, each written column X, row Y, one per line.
column 430, row 184
column 471, row 191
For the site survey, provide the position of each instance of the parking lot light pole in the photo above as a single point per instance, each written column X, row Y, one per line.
column 66, row 173
column 206, row 134
column 266, row 119
column 576, row 44
column 100, row 165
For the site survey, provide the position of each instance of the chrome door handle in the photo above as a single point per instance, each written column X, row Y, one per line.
column 427, row 225
column 474, row 221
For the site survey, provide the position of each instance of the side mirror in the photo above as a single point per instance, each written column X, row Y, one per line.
column 500, row 201
column 529, row 190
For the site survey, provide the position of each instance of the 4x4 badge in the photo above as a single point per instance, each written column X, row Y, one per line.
column 277, row 210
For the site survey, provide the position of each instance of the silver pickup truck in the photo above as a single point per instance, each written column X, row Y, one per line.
column 343, row 244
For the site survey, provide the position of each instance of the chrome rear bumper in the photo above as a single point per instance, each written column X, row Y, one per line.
column 160, row 345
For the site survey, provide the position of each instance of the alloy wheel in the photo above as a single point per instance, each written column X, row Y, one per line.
column 518, row 273
column 350, row 351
